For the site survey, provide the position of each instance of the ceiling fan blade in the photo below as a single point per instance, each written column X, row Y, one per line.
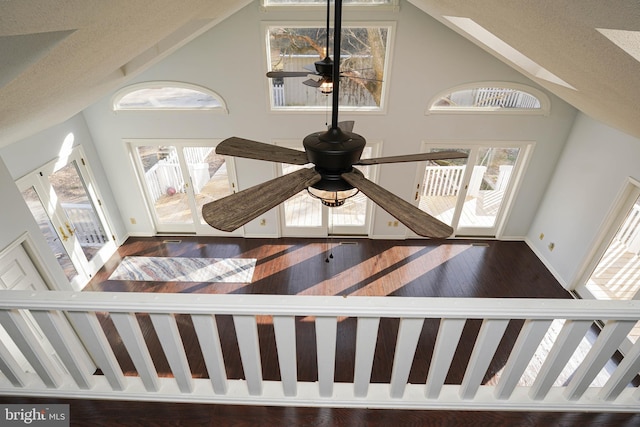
column 310, row 67
column 420, row 222
column 439, row 155
column 240, row 147
column 313, row 83
column 276, row 74
column 347, row 125
column 235, row 210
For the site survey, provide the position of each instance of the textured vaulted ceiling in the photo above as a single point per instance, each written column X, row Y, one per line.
column 563, row 37
column 58, row 57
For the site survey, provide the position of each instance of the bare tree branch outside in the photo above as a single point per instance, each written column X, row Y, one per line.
column 364, row 50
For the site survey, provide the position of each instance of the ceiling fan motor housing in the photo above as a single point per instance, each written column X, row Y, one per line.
column 333, row 152
column 324, row 67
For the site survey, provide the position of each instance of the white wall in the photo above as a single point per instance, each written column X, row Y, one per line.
column 594, row 168
column 427, row 58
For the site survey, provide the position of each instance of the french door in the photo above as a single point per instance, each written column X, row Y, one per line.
column 471, row 195
column 64, row 202
column 305, row 216
column 613, row 269
column 179, row 177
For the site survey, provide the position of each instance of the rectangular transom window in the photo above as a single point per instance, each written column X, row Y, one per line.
column 323, row 3
column 363, row 64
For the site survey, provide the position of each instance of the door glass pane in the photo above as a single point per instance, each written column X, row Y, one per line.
column 354, row 211
column 440, row 186
column 165, row 184
column 40, row 215
column 78, row 207
column 616, row 275
column 489, row 181
column 301, row 210
column 209, row 176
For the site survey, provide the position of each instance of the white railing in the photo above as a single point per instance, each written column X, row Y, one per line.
column 69, row 319
column 505, row 98
column 278, row 95
column 86, row 224
column 442, row 180
column 447, row 180
column 166, row 177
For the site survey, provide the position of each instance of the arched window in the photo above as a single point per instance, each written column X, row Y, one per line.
column 491, row 97
column 167, row 96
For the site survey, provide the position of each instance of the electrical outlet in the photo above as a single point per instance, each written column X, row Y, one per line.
column 552, row 246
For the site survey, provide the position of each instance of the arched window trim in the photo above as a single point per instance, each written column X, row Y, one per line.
column 167, row 83
column 545, row 103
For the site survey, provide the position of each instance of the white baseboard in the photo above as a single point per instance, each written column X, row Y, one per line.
column 547, row 264
column 140, row 234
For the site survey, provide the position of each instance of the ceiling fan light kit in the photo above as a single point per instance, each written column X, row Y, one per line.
column 333, row 179
column 332, row 199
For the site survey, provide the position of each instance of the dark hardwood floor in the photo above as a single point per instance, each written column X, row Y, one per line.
column 97, row 413
column 415, row 268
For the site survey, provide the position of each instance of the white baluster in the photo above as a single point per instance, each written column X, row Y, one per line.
column 408, row 335
column 447, row 340
column 247, row 334
column 95, row 341
column 66, row 344
column 285, row 332
column 525, row 347
column 209, row 339
column 22, row 335
column 609, row 339
column 10, row 368
column 487, row 342
column 129, row 330
column 622, row 376
column 169, row 336
column 366, row 338
column 326, row 349
column 565, row 345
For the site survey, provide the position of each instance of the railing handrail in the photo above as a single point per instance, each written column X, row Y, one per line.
column 306, row 305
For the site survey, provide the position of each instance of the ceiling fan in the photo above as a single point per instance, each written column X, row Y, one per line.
column 321, row 72
column 333, row 178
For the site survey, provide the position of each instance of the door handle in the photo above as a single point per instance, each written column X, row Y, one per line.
column 64, row 236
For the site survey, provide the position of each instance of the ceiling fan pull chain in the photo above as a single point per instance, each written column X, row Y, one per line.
column 326, row 249
column 329, row 249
